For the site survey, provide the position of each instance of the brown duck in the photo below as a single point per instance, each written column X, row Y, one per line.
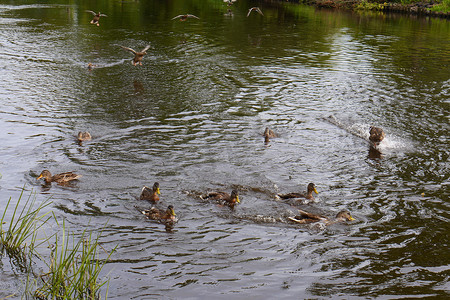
column 257, row 9
column 376, row 135
column 59, row 178
column 96, row 17
column 306, row 217
column 224, row 198
column 268, row 134
column 150, row 194
column 138, row 56
column 185, row 17
column 84, row 136
column 309, row 193
column 161, row 215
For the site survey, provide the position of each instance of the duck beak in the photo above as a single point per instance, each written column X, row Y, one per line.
column 315, row 191
column 237, row 199
column 40, row 176
column 157, row 191
column 172, row 212
column 352, row 219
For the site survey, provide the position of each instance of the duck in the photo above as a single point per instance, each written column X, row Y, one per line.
column 306, row 218
column 96, row 17
column 309, row 193
column 84, row 136
column 59, row 178
column 224, row 198
column 90, row 66
column 160, row 215
column 150, row 194
column 185, row 17
column 376, row 135
column 138, row 56
column 229, row 2
column 268, row 134
column 257, row 9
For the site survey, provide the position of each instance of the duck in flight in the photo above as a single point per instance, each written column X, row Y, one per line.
column 96, row 17
column 138, row 56
column 257, row 9
column 185, row 17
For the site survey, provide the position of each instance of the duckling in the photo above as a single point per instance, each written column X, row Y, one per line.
column 138, row 56
column 306, row 217
column 59, row 178
column 84, row 136
column 150, row 194
column 257, row 9
column 309, row 193
column 185, row 17
column 223, row 198
column 160, row 215
column 268, row 134
column 96, row 17
column 376, row 135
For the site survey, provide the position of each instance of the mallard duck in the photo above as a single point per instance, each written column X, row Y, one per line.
column 138, row 56
column 185, row 17
column 309, row 193
column 257, row 9
column 224, row 198
column 84, row 136
column 90, row 66
column 229, row 2
column 59, row 178
column 306, row 217
column 376, row 135
column 161, row 215
column 150, row 194
column 268, row 134
column 96, row 17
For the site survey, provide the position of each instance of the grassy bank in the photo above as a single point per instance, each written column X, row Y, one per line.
column 438, row 8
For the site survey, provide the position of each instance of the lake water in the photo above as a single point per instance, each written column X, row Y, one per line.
column 192, row 117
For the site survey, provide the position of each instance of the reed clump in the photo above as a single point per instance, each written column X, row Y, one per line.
column 74, row 267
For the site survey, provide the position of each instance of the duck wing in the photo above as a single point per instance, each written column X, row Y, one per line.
column 129, row 49
column 92, row 12
column 146, row 48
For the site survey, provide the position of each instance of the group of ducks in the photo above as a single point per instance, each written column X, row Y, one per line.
column 168, row 216
column 139, row 55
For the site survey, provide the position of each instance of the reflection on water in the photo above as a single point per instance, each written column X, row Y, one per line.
column 192, row 117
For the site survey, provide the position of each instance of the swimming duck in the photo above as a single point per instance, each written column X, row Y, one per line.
column 376, row 135
column 306, row 217
column 96, row 17
column 185, row 17
column 84, row 136
column 224, row 198
column 150, row 194
column 309, row 193
column 138, row 56
column 160, row 215
column 90, row 66
column 59, row 178
column 257, row 9
column 268, row 134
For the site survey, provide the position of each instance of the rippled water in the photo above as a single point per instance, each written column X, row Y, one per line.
column 192, row 119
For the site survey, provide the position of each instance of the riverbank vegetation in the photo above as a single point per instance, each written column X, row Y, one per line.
column 73, row 265
column 439, row 8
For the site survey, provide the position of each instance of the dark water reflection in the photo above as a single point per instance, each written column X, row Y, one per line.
column 192, row 119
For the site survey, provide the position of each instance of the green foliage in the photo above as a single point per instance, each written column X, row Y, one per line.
column 444, row 7
column 21, row 229
column 73, row 270
column 366, row 5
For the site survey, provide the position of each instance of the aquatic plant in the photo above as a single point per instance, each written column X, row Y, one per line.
column 73, row 270
column 21, row 229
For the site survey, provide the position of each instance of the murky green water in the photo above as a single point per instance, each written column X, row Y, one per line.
column 192, row 119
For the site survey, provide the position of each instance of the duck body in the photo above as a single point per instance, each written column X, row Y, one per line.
column 150, row 194
column 309, row 193
column 268, row 134
column 59, row 178
column 376, row 135
column 138, row 55
column 96, row 17
column 306, row 218
column 84, row 136
column 224, row 198
column 163, row 216
column 185, row 17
